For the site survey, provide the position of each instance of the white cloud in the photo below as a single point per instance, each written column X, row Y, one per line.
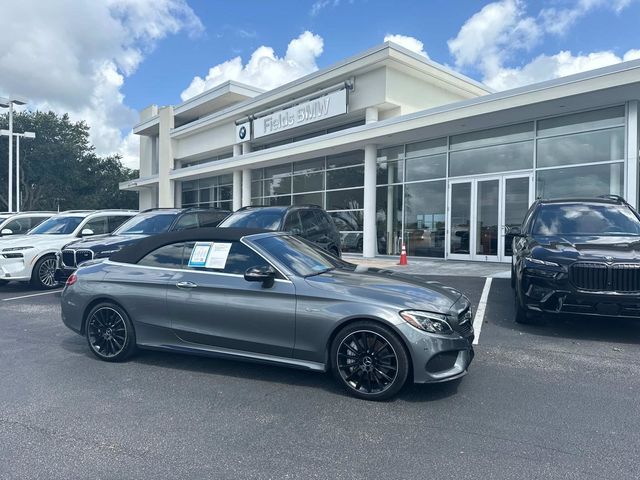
column 319, row 5
column 407, row 42
column 545, row 67
column 264, row 69
column 501, row 30
column 74, row 56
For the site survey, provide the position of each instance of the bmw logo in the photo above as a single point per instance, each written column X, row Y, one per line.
column 242, row 132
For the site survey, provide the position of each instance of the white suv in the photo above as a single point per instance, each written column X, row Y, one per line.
column 32, row 257
column 21, row 223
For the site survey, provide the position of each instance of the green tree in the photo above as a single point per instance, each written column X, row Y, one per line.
column 60, row 169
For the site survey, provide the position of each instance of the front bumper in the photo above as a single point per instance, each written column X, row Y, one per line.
column 558, row 296
column 18, row 268
column 438, row 358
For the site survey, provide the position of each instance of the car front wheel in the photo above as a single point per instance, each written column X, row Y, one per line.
column 110, row 333
column 369, row 361
column 44, row 273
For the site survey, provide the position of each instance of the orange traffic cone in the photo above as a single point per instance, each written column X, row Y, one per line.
column 403, row 255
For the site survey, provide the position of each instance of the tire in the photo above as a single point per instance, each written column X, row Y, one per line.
column 110, row 333
column 369, row 361
column 524, row 317
column 43, row 276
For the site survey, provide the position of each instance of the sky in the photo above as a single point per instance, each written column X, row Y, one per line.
column 104, row 60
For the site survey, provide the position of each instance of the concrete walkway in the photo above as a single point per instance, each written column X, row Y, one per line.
column 435, row 266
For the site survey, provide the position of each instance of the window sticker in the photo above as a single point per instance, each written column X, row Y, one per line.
column 218, row 255
column 199, row 254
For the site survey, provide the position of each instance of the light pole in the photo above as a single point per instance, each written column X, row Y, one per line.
column 18, row 136
column 9, row 103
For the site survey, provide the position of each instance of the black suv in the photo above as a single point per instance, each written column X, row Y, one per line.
column 146, row 223
column 310, row 222
column 577, row 256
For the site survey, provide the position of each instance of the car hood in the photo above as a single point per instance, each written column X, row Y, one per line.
column 105, row 242
column 38, row 241
column 388, row 287
column 568, row 248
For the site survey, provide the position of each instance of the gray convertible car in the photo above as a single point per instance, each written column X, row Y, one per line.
column 275, row 298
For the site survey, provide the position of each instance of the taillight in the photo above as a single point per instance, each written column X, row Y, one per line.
column 73, row 278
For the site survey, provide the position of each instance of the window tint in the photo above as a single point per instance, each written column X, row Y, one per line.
column 239, row 260
column 57, row 225
column 266, row 218
column 115, row 222
column 292, row 223
column 581, row 219
column 18, row 226
column 190, row 220
column 211, row 219
column 308, row 220
column 169, row 256
column 147, row 223
column 97, row 225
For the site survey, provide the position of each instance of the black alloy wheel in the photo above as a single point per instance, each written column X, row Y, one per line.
column 110, row 333
column 44, row 273
column 369, row 361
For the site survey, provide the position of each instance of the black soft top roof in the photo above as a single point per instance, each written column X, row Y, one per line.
column 136, row 251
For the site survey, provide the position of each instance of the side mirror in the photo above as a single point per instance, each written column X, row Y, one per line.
column 86, row 232
column 6, row 231
column 515, row 231
column 264, row 274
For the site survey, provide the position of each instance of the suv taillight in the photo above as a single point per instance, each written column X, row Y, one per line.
column 73, row 278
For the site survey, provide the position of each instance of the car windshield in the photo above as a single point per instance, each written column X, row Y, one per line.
column 146, row 224
column 57, row 226
column 304, row 258
column 268, row 219
column 586, row 219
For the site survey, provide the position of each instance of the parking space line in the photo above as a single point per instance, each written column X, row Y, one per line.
column 32, row 295
column 479, row 318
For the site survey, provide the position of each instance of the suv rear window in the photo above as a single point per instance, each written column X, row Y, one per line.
column 259, row 218
column 585, row 219
column 147, row 224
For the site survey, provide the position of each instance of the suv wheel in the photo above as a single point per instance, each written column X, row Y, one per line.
column 43, row 275
column 369, row 361
column 523, row 316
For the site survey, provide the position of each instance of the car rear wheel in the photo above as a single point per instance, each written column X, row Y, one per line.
column 110, row 333
column 44, row 273
column 369, row 361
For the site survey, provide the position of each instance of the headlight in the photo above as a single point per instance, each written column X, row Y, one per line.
column 427, row 321
column 541, row 262
column 15, row 249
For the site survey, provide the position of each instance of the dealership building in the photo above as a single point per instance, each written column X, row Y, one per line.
column 398, row 149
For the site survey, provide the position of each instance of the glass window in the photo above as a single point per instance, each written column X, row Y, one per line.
column 18, row 226
column 493, row 136
column 389, row 172
column 345, row 177
column 267, row 218
column 391, row 153
column 308, row 220
column 256, row 189
column 585, row 219
column 99, row 225
column 191, row 185
column 430, row 147
column 599, row 146
column 240, row 259
column 424, row 210
column 389, row 219
column 499, row 158
column 277, row 186
column 308, row 182
column 147, row 223
column 579, row 122
column 257, row 174
column 292, row 223
column 348, row 220
column 189, row 198
column 278, row 201
column 345, row 159
column 586, row 181
column 116, row 221
column 307, row 166
column 308, row 199
column 345, row 199
column 426, row 168
column 277, row 171
column 212, row 218
column 168, row 256
column 187, row 221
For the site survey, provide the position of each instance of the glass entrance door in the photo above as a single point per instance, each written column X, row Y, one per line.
column 480, row 212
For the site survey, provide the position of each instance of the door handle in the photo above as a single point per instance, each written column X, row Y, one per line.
column 186, row 285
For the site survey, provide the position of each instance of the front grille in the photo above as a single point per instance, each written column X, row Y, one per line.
column 69, row 258
column 619, row 277
column 83, row 256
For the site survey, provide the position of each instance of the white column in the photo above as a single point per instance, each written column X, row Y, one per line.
column 237, row 150
column 369, row 220
column 633, row 145
column 165, row 158
column 246, row 187
column 237, row 189
column 246, row 147
column 371, row 115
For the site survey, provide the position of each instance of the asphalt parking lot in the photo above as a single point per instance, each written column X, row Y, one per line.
column 559, row 401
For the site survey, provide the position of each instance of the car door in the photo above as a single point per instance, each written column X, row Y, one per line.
column 216, row 306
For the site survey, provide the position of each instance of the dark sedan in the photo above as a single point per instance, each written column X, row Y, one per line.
column 275, row 298
column 577, row 256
